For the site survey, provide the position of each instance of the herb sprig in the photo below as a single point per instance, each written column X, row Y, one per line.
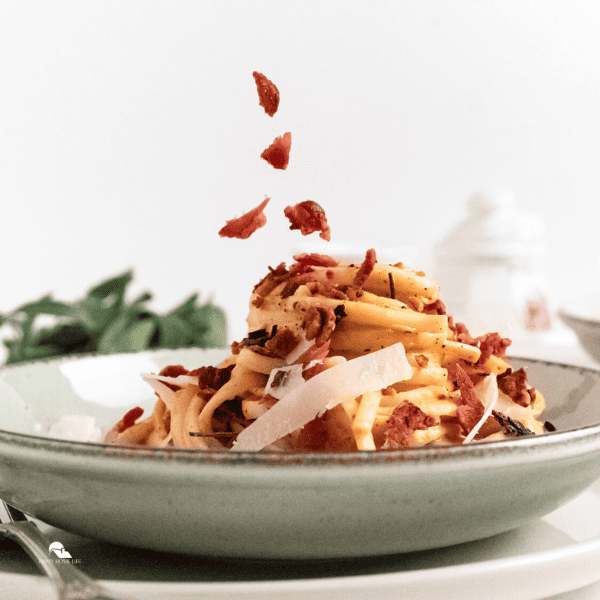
column 104, row 321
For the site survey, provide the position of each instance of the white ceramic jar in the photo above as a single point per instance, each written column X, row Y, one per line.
column 489, row 267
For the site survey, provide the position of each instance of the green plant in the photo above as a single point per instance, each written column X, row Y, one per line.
column 103, row 321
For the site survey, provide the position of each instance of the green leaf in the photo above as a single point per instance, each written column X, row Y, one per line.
column 45, row 306
column 186, row 308
column 174, row 332
column 127, row 334
column 113, row 285
column 211, row 326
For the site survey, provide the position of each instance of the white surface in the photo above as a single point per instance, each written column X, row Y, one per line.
column 131, row 131
column 553, row 558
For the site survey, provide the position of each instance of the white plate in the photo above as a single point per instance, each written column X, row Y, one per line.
column 264, row 505
column 554, row 555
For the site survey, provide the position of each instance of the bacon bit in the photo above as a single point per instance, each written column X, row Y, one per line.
column 514, row 385
column 470, row 409
column 421, row 360
column 243, row 227
column 129, row 419
column 435, row 308
column 277, row 344
column 173, row 371
column 405, row 419
column 278, row 153
column 315, row 260
column 270, row 281
column 489, row 344
column 461, row 332
column 282, row 343
column 326, row 289
column 308, row 217
column 492, row 343
column 365, row 269
column 316, row 354
column 213, row 377
column 331, row 432
column 319, row 323
column 268, row 94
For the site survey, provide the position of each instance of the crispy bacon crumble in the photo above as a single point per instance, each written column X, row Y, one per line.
column 268, row 94
column 243, row 227
column 278, row 153
column 308, row 217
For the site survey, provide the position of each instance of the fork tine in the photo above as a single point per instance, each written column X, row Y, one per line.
column 14, row 514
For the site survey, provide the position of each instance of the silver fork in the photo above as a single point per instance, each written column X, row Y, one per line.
column 70, row 583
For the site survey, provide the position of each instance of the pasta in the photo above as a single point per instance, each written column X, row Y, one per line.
column 342, row 357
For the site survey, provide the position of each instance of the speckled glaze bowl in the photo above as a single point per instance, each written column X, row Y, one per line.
column 586, row 324
column 264, row 505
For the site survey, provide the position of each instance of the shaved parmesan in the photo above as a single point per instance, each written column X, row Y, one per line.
column 165, row 393
column 341, row 382
column 487, row 391
column 299, row 350
column 180, row 380
column 511, row 409
column 283, row 380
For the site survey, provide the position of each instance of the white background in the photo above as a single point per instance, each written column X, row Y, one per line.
column 130, row 132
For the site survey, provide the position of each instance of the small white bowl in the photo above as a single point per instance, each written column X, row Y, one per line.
column 585, row 322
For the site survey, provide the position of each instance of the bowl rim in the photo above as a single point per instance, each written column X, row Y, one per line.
column 578, row 317
column 31, row 444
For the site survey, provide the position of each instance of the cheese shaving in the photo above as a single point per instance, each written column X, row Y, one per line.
column 487, row 391
column 341, row 382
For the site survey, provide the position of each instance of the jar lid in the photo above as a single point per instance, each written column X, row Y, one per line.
column 495, row 227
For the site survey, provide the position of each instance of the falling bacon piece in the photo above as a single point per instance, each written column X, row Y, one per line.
column 278, row 153
column 308, row 217
column 268, row 94
column 243, row 227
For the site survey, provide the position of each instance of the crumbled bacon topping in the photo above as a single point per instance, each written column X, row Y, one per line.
column 278, row 153
column 405, row 419
column 173, row 371
column 514, row 385
column 470, row 408
column 435, row 308
column 277, row 344
column 308, row 217
column 315, row 260
column 243, row 227
column 213, row 377
column 492, row 343
column 317, row 354
column 320, row 321
column 366, row 268
column 268, row 94
column 129, row 419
